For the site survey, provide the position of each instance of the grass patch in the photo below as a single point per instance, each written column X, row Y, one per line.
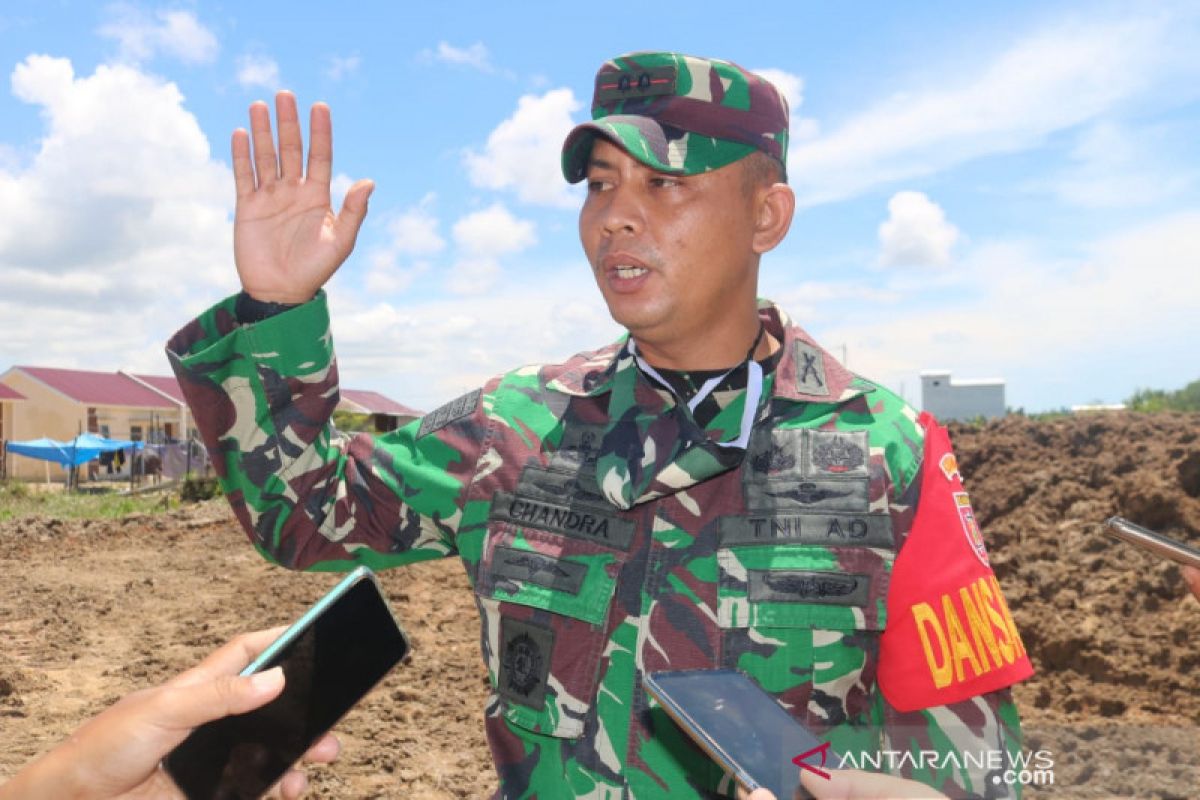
column 18, row 499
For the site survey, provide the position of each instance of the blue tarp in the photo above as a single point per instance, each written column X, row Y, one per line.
column 80, row 450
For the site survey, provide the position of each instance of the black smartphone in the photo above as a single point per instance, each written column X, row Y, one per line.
column 742, row 728
column 331, row 657
column 1156, row 543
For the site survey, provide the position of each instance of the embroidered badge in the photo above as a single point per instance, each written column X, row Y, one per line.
column 949, row 467
column 628, row 84
column 454, row 410
column 776, row 459
column 524, row 662
column 970, row 527
column 864, row 530
column 810, row 370
column 539, row 569
column 837, row 455
column 808, row 586
column 828, row 495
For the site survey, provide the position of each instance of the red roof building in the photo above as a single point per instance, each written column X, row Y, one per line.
column 361, row 401
column 61, row 403
column 101, row 388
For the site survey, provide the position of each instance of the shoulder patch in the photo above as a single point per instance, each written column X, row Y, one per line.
column 810, row 370
column 454, row 410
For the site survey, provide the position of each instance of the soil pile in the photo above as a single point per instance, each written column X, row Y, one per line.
column 92, row 610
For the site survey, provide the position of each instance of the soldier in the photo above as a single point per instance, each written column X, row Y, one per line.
column 713, row 490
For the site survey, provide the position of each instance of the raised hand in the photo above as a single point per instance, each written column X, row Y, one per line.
column 287, row 241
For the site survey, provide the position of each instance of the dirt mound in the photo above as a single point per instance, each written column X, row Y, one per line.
column 94, row 609
column 1110, row 629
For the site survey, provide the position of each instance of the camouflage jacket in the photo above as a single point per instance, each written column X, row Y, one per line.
column 605, row 537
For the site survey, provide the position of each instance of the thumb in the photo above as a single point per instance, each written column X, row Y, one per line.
column 222, row 696
column 354, row 211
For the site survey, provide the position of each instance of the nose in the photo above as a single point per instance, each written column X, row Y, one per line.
column 623, row 211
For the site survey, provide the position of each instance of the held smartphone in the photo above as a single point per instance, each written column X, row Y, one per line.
column 1156, row 543
column 331, row 657
column 741, row 727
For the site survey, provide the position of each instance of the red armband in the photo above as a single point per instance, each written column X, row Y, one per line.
column 949, row 635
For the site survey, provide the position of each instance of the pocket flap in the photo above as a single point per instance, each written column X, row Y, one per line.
column 803, row 586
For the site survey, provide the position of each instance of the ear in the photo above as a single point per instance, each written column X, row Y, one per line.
column 775, row 205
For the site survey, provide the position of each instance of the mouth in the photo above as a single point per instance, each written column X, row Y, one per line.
column 628, row 271
column 623, row 266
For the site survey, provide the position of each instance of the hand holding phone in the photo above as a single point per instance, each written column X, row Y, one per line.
column 742, row 728
column 331, row 657
column 1156, row 543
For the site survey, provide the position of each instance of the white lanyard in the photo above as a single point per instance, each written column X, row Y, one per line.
column 754, row 385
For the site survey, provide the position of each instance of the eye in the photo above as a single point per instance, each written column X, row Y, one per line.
column 665, row 181
column 598, row 185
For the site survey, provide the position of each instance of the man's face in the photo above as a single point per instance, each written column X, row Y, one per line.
column 672, row 254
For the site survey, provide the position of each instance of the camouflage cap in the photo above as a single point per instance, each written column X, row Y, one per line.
column 680, row 114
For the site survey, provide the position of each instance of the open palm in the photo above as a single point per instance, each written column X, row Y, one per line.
column 287, row 241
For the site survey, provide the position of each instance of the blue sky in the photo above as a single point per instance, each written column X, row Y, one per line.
column 1001, row 189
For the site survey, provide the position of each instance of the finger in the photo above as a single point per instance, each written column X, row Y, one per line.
column 265, row 163
column 1192, row 576
column 184, row 707
column 243, row 170
column 843, row 784
column 292, row 785
column 291, row 145
column 320, row 144
column 230, row 658
column 354, row 211
column 325, row 750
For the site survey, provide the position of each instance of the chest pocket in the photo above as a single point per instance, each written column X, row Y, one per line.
column 804, row 619
column 545, row 587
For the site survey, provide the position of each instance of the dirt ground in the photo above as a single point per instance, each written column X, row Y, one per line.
column 91, row 610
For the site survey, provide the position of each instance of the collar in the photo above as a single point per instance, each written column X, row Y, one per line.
column 806, row 371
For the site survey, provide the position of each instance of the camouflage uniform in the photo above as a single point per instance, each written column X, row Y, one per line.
column 605, row 536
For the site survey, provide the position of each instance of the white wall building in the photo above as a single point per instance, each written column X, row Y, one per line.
column 949, row 399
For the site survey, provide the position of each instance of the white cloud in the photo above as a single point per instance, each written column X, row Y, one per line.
column 493, row 231
column 523, row 152
column 475, row 56
column 173, row 33
column 916, row 233
column 1061, row 76
column 340, row 67
column 1115, row 167
column 475, row 275
column 415, row 230
column 412, row 233
column 425, row 354
column 1118, row 314
column 258, row 70
column 386, row 277
column 117, row 228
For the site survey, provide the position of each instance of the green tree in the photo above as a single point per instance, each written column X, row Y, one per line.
column 1185, row 399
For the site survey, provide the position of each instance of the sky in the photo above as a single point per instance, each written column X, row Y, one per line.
column 1001, row 189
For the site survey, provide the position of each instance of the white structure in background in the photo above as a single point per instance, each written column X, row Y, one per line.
column 948, row 399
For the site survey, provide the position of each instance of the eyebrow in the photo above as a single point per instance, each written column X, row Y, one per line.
column 599, row 163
